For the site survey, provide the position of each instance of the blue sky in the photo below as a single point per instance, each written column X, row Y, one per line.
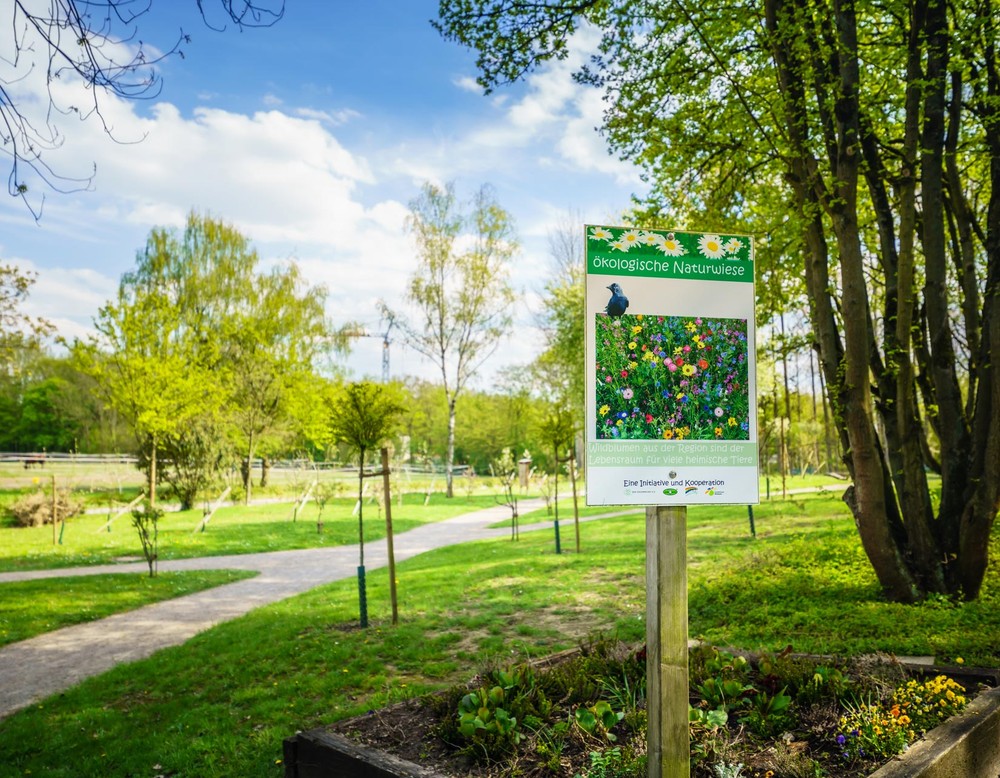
column 311, row 137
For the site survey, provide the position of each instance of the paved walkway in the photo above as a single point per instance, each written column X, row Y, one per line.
column 36, row 668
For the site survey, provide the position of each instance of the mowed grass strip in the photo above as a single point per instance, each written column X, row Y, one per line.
column 221, row 704
column 29, row 608
column 235, row 529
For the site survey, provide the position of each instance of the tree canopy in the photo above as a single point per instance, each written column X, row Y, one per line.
column 203, row 344
column 861, row 142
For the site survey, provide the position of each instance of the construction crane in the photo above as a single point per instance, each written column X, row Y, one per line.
column 384, row 335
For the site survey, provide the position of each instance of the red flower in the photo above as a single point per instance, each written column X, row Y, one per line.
column 702, row 364
column 624, row 373
column 649, row 418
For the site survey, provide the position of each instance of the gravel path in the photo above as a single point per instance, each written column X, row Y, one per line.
column 36, row 668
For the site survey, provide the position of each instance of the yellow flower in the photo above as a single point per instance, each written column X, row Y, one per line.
column 689, row 370
column 632, row 345
column 604, row 410
column 633, row 365
column 732, row 421
column 668, row 434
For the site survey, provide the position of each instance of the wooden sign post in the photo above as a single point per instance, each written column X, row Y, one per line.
column 668, row 743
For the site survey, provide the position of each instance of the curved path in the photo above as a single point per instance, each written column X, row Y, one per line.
column 46, row 664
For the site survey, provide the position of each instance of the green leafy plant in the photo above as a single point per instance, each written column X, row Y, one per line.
column 768, row 712
column 603, row 763
column 723, row 693
column 598, row 719
column 480, row 715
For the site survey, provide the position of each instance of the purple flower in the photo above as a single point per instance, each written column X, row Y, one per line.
column 841, row 740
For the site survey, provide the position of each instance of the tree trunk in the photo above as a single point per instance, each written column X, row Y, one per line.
column 151, row 480
column 450, row 464
column 247, row 475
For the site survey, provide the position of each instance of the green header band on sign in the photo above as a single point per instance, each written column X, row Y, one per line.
column 660, row 254
column 672, row 454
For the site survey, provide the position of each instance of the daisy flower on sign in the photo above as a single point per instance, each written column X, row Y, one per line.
column 619, row 245
column 710, row 246
column 650, row 238
column 733, row 245
column 671, row 246
column 629, row 238
column 599, row 233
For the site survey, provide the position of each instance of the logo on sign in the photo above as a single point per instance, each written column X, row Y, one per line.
column 689, row 489
column 670, row 492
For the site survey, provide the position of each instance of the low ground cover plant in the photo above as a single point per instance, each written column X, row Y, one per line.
column 584, row 716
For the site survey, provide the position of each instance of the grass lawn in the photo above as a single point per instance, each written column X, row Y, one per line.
column 234, row 529
column 221, row 704
column 33, row 607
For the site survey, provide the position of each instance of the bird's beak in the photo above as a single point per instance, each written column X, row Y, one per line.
column 609, row 287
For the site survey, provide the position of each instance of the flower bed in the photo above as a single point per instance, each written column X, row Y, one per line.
column 764, row 717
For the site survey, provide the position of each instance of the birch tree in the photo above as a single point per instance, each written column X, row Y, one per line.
column 460, row 289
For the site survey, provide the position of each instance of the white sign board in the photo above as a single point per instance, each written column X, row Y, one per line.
column 671, row 372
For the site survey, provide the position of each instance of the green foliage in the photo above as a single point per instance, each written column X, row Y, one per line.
column 146, row 520
column 598, row 719
column 200, row 341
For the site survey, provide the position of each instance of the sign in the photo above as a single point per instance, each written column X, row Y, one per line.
column 671, row 370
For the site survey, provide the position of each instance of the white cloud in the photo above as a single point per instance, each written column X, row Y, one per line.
column 293, row 181
column 333, row 119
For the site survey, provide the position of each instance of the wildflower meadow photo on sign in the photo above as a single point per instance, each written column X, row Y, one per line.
column 671, row 378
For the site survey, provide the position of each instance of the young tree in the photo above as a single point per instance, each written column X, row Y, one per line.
column 864, row 140
column 460, row 288
column 363, row 415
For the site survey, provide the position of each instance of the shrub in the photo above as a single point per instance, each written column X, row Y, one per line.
column 35, row 509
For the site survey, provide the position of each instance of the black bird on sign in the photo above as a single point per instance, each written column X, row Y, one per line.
column 618, row 303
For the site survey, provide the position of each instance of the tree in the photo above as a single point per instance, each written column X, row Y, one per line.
column 559, row 428
column 363, row 415
column 202, row 345
column 261, row 330
column 865, row 140
column 93, row 45
column 460, row 288
column 18, row 331
column 147, row 369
